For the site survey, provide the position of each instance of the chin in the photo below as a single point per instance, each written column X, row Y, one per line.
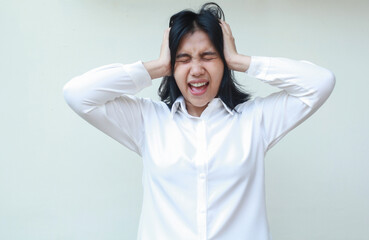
column 199, row 104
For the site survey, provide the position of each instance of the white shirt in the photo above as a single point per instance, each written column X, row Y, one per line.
column 203, row 177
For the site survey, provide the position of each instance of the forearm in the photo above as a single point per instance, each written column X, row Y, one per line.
column 156, row 69
column 239, row 63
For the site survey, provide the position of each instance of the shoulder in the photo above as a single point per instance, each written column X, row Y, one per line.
column 254, row 108
column 260, row 102
column 147, row 105
column 249, row 105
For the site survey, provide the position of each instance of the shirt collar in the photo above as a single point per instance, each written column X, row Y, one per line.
column 180, row 104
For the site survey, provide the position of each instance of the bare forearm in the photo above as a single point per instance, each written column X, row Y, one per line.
column 239, row 63
column 156, row 69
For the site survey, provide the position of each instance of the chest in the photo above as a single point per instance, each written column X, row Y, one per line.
column 226, row 147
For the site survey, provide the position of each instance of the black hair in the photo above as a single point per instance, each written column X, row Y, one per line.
column 207, row 20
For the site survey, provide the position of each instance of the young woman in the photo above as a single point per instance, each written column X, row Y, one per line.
column 203, row 145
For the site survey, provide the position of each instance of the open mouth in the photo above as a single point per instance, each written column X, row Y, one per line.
column 198, row 88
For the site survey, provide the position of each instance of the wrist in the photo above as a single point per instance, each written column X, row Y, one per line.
column 156, row 68
column 239, row 63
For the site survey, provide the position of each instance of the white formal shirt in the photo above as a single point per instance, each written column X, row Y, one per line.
column 203, row 177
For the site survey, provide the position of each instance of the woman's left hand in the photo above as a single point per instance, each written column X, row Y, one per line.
column 234, row 60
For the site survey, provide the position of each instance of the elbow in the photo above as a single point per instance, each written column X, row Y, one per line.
column 328, row 81
column 72, row 95
column 69, row 93
column 324, row 85
column 75, row 96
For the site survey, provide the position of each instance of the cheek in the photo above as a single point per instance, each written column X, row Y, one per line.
column 180, row 76
column 176, row 72
column 180, row 82
column 217, row 72
column 220, row 71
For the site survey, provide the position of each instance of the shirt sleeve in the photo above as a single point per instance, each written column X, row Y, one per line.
column 304, row 88
column 104, row 97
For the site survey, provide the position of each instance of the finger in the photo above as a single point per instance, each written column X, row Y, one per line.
column 166, row 33
column 226, row 28
column 222, row 24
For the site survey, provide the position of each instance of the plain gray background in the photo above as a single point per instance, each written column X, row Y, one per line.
column 61, row 179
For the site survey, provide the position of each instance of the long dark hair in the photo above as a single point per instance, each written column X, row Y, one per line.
column 207, row 20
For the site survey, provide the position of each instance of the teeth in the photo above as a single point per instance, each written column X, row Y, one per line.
column 198, row 84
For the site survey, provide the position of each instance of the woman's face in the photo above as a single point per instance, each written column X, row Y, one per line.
column 198, row 71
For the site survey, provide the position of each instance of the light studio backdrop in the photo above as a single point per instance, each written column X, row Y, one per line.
column 61, row 179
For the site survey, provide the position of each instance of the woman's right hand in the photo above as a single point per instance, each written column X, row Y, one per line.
column 161, row 66
column 165, row 53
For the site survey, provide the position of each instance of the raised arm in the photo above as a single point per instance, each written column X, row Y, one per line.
column 304, row 88
column 104, row 96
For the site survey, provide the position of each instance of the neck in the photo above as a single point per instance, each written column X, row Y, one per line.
column 194, row 110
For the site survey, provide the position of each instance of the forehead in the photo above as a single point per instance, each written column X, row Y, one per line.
column 195, row 42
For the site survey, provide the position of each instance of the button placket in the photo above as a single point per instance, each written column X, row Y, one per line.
column 201, row 175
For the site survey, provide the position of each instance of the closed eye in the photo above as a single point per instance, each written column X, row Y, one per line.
column 208, row 56
column 183, row 58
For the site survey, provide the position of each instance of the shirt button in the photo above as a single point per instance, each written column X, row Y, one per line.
column 202, row 175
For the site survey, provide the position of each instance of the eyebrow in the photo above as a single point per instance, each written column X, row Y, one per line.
column 181, row 55
column 209, row 53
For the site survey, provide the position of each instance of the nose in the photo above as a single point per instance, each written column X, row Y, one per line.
column 196, row 68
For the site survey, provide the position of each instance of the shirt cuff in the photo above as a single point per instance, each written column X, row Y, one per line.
column 138, row 74
column 259, row 67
